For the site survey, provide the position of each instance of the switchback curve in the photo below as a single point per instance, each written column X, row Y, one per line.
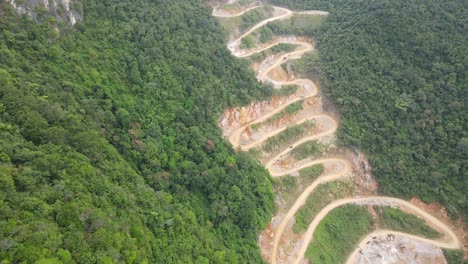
column 449, row 240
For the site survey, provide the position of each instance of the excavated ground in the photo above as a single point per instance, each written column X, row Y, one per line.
column 394, row 249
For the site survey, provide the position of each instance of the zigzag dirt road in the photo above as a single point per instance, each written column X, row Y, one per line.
column 449, row 240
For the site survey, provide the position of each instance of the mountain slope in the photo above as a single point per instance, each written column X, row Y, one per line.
column 109, row 151
column 397, row 72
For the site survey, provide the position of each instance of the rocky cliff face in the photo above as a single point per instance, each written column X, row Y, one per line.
column 67, row 11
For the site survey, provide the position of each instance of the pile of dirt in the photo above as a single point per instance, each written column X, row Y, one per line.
column 394, row 249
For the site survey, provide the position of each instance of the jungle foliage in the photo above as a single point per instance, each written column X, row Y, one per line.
column 109, row 149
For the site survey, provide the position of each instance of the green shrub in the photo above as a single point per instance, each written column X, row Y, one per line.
column 395, row 219
column 307, row 149
column 454, row 256
column 294, row 107
column 338, row 234
column 322, row 195
column 286, row 137
column 286, row 90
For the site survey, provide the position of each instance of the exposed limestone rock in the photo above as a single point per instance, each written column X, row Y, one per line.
column 68, row 11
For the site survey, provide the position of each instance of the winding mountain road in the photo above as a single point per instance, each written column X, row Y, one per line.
column 217, row 12
column 449, row 240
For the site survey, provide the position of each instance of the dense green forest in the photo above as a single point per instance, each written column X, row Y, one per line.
column 109, row 149
column 396, row 70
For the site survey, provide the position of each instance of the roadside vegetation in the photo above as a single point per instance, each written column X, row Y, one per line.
column 286, row 90
column 288, row 110
column 298, row 25
column 322, row 195
column 240, row 24
column 288, row 136
column 312, row 172
column 395, row 219
column 338, row 234
column 454, row 256
column 255, row 16
column 294, row 107
column 247, row 42
column 275, row 117
column 254, row 127
column 277, row 49
column 305, row 65
column 264, row 34
column 309, row 149
column 290, row 187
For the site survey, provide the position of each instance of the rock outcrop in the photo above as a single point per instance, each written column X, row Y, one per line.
column 65, row 11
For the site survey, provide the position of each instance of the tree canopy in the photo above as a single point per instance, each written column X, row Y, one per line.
column 109, row 148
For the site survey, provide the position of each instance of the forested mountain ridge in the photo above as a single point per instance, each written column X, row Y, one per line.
column 397, row 72
column 109, row 149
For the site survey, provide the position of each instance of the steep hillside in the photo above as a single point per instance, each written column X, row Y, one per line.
column 109, row 151
column 292, row 134
column 397, row 72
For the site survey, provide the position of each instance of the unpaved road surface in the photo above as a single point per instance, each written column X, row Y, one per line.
column 220, row 12
column 449, row 240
